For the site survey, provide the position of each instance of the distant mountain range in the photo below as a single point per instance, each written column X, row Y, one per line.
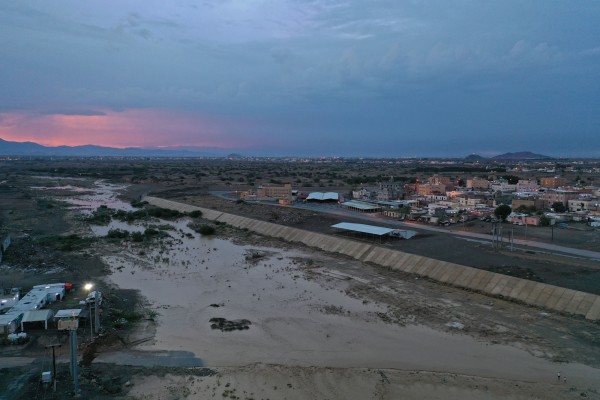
column 520, row 155
column 33, row 149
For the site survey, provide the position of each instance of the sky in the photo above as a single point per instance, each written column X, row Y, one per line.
column 375, row 78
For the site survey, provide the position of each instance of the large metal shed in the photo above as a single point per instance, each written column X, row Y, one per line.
column 36, row 316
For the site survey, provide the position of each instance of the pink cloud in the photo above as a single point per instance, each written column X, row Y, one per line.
column 130, row 128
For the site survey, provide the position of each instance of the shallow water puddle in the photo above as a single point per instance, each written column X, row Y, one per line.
column 190, row 279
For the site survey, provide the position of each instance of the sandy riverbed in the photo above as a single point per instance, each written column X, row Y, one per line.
column 309, row 337
column 305, row 328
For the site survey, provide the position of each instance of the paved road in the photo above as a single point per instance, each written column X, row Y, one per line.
column 528, row 243
column 335, row 209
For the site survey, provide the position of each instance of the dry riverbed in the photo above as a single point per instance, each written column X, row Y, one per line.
column 312, row 325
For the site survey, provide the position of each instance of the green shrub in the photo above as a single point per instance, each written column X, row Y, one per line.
column 137, row 236
column 66, row 243
column 195, row 214
column 117, row 234
column 206, row 230
column 102, row 216
column 151, row 232
column 138, row 204
column 164, row 213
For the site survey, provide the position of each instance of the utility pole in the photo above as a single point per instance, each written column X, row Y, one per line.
column 74, row 372
column 501, row 244
column 53, row 363
column 96, row 314
column 91, row 324
column 512, row 239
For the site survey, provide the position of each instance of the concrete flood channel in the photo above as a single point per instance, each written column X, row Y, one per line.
column 294, row 320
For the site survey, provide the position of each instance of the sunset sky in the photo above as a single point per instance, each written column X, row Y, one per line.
column 304, row 77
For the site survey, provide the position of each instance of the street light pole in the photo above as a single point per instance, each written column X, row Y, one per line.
column 88, row 287
column 74, row 372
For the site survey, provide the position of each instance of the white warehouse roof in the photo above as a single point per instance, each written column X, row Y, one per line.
column 323, row 196
column 375, row 230
column 69, row 313
column 371, row 229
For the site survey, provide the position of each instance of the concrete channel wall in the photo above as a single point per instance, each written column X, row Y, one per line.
column 533, row 293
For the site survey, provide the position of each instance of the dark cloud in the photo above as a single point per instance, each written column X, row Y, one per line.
column 340, row 75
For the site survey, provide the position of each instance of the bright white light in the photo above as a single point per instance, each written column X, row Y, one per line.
column 88, row 286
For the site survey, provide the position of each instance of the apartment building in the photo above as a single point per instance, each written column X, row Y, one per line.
column 527, row 185
column 478, row 184
column 553, row 182
column 563, row 196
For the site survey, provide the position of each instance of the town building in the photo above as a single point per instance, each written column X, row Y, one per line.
column 503, row 186
column 425, row 189
column 527, row 185
column 364, row 193
column 585, row 204
column 275, row 192
column 553, row 182
column 478, row 184
column 530, row 203
column 389, row 190
column 440, row 180
column 268, row 193
column 553, row 196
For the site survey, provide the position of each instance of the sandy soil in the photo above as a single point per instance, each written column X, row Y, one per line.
column 262, row 381
column 326, row 327
column 311, row 313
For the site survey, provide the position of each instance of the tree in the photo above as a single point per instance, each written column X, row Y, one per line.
column 512, row 179
column 405, row 210
column 559, row 207
column 502, row 211
column 523, row 208
column 544, row 221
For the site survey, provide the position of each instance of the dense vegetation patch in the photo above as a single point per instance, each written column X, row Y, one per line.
column 203, row 229
column 103, row 215
column 66, row 243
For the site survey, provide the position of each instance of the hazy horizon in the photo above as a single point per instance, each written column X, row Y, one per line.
column 223, row 152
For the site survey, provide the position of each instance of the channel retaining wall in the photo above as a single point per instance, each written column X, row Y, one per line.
column 490, row 283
